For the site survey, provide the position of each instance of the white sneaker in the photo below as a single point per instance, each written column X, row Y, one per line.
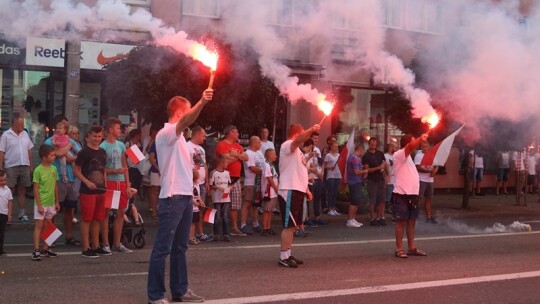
column 75, row 220
column 336, row 213
column 358, row 223
column 351, row 224
column 122, row 249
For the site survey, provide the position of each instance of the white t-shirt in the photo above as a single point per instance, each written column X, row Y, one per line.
column 390, row 161
column 196, row 197
column 331, row 160
column 15, row 148
column 313, row 163
column 505, row 160
column 424, row 176
column 220, row 179
column 5, row 197
column 255, row 159
column 198, row 160
column 266, row 145
column 515, row 157
column 531, row 162
column 406, row 175
column 478, row 160
column 269, row 171
column 292, row 168
column 318, row 151
column 174, row 163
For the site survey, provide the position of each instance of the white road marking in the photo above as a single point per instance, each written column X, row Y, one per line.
column 129, row 274
column 431, row 238
column 374, row 289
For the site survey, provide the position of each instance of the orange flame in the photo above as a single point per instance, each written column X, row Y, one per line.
column 432, row 119
column 325, row 106
column 205, row 56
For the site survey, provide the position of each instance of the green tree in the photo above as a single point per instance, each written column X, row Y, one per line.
column 151, row 75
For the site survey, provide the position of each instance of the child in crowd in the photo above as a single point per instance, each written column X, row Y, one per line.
column 60, row 139
column 220, row 181
column 197, row 202
column 269, row 185
column 132, row 209
column 6, row 206
column 46, row 203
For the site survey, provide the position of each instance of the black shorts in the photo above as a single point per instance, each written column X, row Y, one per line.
column 405, row 207
column 196, row 217
column 292, row 208
column 531, row 180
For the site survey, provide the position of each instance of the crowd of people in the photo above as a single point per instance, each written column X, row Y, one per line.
column 181, row 188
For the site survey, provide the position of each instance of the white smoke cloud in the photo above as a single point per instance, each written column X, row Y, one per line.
column 484, row 64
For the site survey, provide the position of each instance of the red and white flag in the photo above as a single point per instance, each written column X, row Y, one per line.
column 438, row 154
column 50, row 234
column 226, row 192
column 135, row 154
column 112, row 199
column 344, row 156
column 209, row 215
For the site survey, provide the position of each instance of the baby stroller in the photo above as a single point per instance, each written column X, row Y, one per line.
column 129, row 233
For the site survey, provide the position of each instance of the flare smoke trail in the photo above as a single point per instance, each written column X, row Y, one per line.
column 461, row 227
column 481, row 63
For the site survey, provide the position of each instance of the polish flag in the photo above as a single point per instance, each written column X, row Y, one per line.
column 112, row 199
column 344, row 156
column 438, row 154
column 226, row 192
column 209, row 215
column 135, row 154
column 50, row 234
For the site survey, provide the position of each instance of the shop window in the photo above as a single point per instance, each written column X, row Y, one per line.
column 201, row 8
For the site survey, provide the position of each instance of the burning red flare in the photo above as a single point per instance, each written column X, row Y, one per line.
column 432, row 119
column 207, row 57
column 325, row 106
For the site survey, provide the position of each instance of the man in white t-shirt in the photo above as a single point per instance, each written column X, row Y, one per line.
column 265, row 143
column 406, row 189
column 175, row 203
column 293, row 189
column 253, row 169
column 198, row 158
column 427, row 182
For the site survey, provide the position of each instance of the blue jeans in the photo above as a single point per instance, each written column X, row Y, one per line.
column 175, row 215
column 317, row 190
column 221, row 215
column 332, row 188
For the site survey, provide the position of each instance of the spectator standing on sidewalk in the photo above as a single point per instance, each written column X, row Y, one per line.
column 333, row 178
column 531, row 171
column 16, row 160
column 374, row 161
column 235, row 156
column 6, row 207
column 477, row 173
column 356, row 175
column 503, row 166
column 406, row 189
column 265, row 143
column 292, row 189
column 175, row 203
column 253, row 169
column 427, row 182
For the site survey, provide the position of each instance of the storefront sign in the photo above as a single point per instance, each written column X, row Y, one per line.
column 45, row 51
column 10, row 53
column 96, row 55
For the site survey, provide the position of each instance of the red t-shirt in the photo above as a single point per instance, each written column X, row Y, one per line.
column 224, row 147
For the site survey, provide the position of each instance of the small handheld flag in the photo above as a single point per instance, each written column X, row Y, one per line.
column 50, row 233
column 112, row 199
column 209, row 215
column 135, row 154
column 226, row 193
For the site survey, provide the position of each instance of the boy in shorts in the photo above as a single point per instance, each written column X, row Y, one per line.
column 269, row 187
column 220, row 181
column 46, row 203
column 90, row 170
column 196, row 222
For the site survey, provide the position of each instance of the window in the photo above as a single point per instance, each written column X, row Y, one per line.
column 285, row 12
column 393, row 13
column 344, row 46
column 202, row 8
column 423, row 16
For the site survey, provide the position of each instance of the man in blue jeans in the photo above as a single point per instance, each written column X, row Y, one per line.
column 175, row 203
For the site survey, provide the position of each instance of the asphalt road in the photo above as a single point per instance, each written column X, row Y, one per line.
column 342, row 265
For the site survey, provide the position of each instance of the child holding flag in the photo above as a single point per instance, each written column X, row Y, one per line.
column 220, row 181
column 46, row 203
column 196, row 222
column 269, row 186
column 6, row 206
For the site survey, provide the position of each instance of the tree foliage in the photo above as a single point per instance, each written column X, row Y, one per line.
column 151, row 75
